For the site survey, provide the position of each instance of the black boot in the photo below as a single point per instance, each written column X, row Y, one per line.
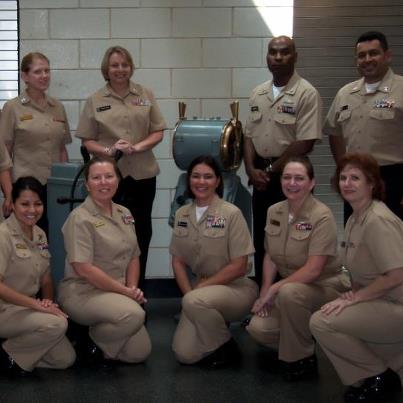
column 10, row 367
column 302, row 369
column 226, row 355
column 376, row 388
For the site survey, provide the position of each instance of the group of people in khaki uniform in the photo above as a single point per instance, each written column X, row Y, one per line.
column 295, row 239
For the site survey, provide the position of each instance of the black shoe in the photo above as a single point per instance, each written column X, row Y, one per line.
column 10, row 367
column 246, row 321
column 305, row 368
column 226, row 355
column 375, row 388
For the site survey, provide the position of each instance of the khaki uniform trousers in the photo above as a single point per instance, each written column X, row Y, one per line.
column 116, row 322
column 287, row 326
column 36, row 339
column 205, row 313
column 363, row 340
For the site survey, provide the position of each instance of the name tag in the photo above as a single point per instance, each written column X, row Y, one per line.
column 183, row 224
column 103, row 108
column 275, row 222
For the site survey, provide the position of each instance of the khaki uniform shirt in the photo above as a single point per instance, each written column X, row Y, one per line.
column 273, row 124
column 34, row 135
column 107, row 117
column 108, row 243
column 370, row 123
column 373, row 246
column 23, row 262
column 208, row 245
column 313, row 232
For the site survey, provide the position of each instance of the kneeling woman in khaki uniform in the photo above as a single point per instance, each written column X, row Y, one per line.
column 301, row 246
column 211, row 238
column 99, row 289
column 34, row 328
column 362, row 331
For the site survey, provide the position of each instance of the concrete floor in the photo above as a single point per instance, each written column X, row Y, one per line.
column 162, row 380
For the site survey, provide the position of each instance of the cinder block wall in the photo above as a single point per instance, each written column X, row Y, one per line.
column 203, row 52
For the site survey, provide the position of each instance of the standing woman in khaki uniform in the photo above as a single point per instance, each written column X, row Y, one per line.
column 99, row 289
column 34, row 126
column 34, row 328
column 125, row 116
column 210, row 238
column 362, row 331
column 301, row 247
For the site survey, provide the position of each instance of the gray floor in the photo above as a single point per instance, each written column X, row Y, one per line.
column 162, row 379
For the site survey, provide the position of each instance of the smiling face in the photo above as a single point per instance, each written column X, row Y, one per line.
column 119, row 70
column 295, row 182
column 372, row 60
column 28, row 208
column 102, row 182
column 37, row 78
column 203, row 183
column 354, row 186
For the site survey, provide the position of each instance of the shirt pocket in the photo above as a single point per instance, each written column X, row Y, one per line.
column 214, row 232
column 300, row 236
column 344, row 116
column 22, row 252
column 285, row 119
column 181, row 232
column 382, row 114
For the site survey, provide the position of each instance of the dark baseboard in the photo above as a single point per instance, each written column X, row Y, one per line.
column 161, row 288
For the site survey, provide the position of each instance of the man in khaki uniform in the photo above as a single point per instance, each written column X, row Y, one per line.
column 367, row 116
column 34, row 338
column 109, row 243
column 35, row 136
column 207, row 246
column 366, row 338
column 289, row 244
column 284, row 120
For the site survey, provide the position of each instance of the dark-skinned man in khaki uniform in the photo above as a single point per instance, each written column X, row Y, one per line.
column 284, row 120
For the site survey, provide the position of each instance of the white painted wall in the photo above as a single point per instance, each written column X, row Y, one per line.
column 206, row 53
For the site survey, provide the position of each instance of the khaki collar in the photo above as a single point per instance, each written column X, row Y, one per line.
column 94, row 210
column 290, row 88
column 26, row 99
column 385, row 85
column 16, row 231
column 304, row 213
column 133, row 89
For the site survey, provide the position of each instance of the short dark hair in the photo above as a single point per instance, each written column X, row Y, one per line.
column 303, row 160
column 100, row 159
column 372, row 36
column 27, row 183
column 369, row 167
column 210, row 162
